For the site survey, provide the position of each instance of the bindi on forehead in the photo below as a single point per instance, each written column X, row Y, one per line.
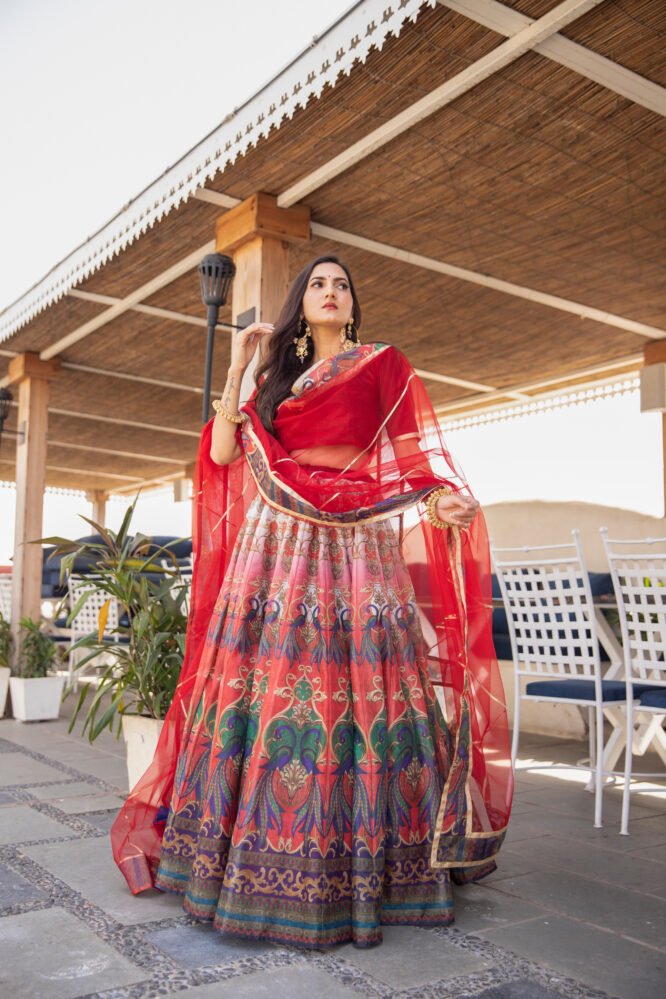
column 334, row 277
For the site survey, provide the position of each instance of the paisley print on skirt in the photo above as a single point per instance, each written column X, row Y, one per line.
column 315, row 750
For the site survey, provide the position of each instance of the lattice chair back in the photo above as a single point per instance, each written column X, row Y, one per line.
column 554, row 642
column 550, row 610
column 638, row 570
column 6, row 596
column 87, row 619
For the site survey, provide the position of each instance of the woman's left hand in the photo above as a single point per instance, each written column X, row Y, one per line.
column 458, row 510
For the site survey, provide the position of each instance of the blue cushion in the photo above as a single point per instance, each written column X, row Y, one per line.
column 655, row 698
column 612, row 690
column 502, row 645
column 500, row 621
column 181, row 549
column 51, row 586
column 601, row 583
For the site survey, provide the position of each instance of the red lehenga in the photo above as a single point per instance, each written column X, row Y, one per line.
column 307, row 787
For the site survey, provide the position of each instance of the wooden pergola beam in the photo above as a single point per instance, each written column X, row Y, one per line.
column 147, row 310
column 118, row 421
column 475, row 277
column 134, row 455
column 176, row 270
column 485, row 280
column 85, row 472
column 583, row 61
column 549, row 386
column 516, row 46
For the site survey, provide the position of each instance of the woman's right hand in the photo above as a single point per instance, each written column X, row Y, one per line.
column 458, row 509
column 244, row 344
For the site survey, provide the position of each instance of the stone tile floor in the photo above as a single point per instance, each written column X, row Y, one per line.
column 571, row 912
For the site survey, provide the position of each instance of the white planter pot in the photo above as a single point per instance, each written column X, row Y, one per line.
column 4, row 687
column 36, row 698
column 141, row 735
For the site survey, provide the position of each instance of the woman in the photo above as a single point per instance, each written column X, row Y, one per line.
column 307, row 787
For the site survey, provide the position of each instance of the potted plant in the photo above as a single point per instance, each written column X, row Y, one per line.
column 144, row 653
column 36, row 692
column 5, row 652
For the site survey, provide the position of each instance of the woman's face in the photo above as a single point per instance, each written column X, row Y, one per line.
column 328, row 299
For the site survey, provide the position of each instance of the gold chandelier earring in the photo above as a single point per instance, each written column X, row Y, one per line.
column 346, row 336
column 302, row 340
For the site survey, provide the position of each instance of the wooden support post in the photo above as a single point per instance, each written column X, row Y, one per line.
column 182, row 488
column 98, row 498
column 654, row 357
column 257, row 234
column 663, row 461
column 32, row 376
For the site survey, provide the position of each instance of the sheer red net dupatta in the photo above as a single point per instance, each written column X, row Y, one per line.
column 221, row 495
column 356, row 441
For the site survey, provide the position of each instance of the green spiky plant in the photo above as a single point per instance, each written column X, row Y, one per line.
column 145, row 660
column 5, row 642
column 36, row 653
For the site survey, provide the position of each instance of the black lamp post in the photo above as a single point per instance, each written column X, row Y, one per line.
column 5, row 402
column 216, row 273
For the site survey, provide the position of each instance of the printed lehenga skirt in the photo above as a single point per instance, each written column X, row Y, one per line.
column 315, row 750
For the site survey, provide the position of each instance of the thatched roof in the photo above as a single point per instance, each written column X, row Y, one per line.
column 508, row 241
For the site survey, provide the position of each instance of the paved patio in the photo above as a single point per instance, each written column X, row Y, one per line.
column 572, row 912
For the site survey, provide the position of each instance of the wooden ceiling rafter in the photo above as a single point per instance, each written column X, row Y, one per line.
column 390, row 208
column 148, row 310
column 84, row 472
column 129, row 377
column 103, row 449
column 507, row 52
column 533, row 33
column 96, row 417
column 157, row 481
column 583, row 61
column 624, row 368
column 553, row 396
column 164, row 278
column 497, row 284
column 123, row 375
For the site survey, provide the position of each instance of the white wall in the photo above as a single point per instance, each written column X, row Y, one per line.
column 536, row 522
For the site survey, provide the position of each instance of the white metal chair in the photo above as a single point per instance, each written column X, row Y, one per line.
column 638, row 571
column 554, row 642
column 87, row 621
column 6, row 596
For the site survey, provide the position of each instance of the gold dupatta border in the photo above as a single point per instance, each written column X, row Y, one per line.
column 286, row 500
column 322, row 374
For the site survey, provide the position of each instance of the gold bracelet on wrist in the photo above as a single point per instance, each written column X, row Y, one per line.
column 431, row 503
column 219, row 407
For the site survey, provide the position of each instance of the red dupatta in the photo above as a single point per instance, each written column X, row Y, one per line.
column 357, row 440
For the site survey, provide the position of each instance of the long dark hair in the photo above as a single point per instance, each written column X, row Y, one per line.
column 281, row 365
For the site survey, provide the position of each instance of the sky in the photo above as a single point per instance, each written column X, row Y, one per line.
column 106, row 96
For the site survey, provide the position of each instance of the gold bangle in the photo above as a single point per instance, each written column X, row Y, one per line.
column 218, row 406
column 431, row 502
